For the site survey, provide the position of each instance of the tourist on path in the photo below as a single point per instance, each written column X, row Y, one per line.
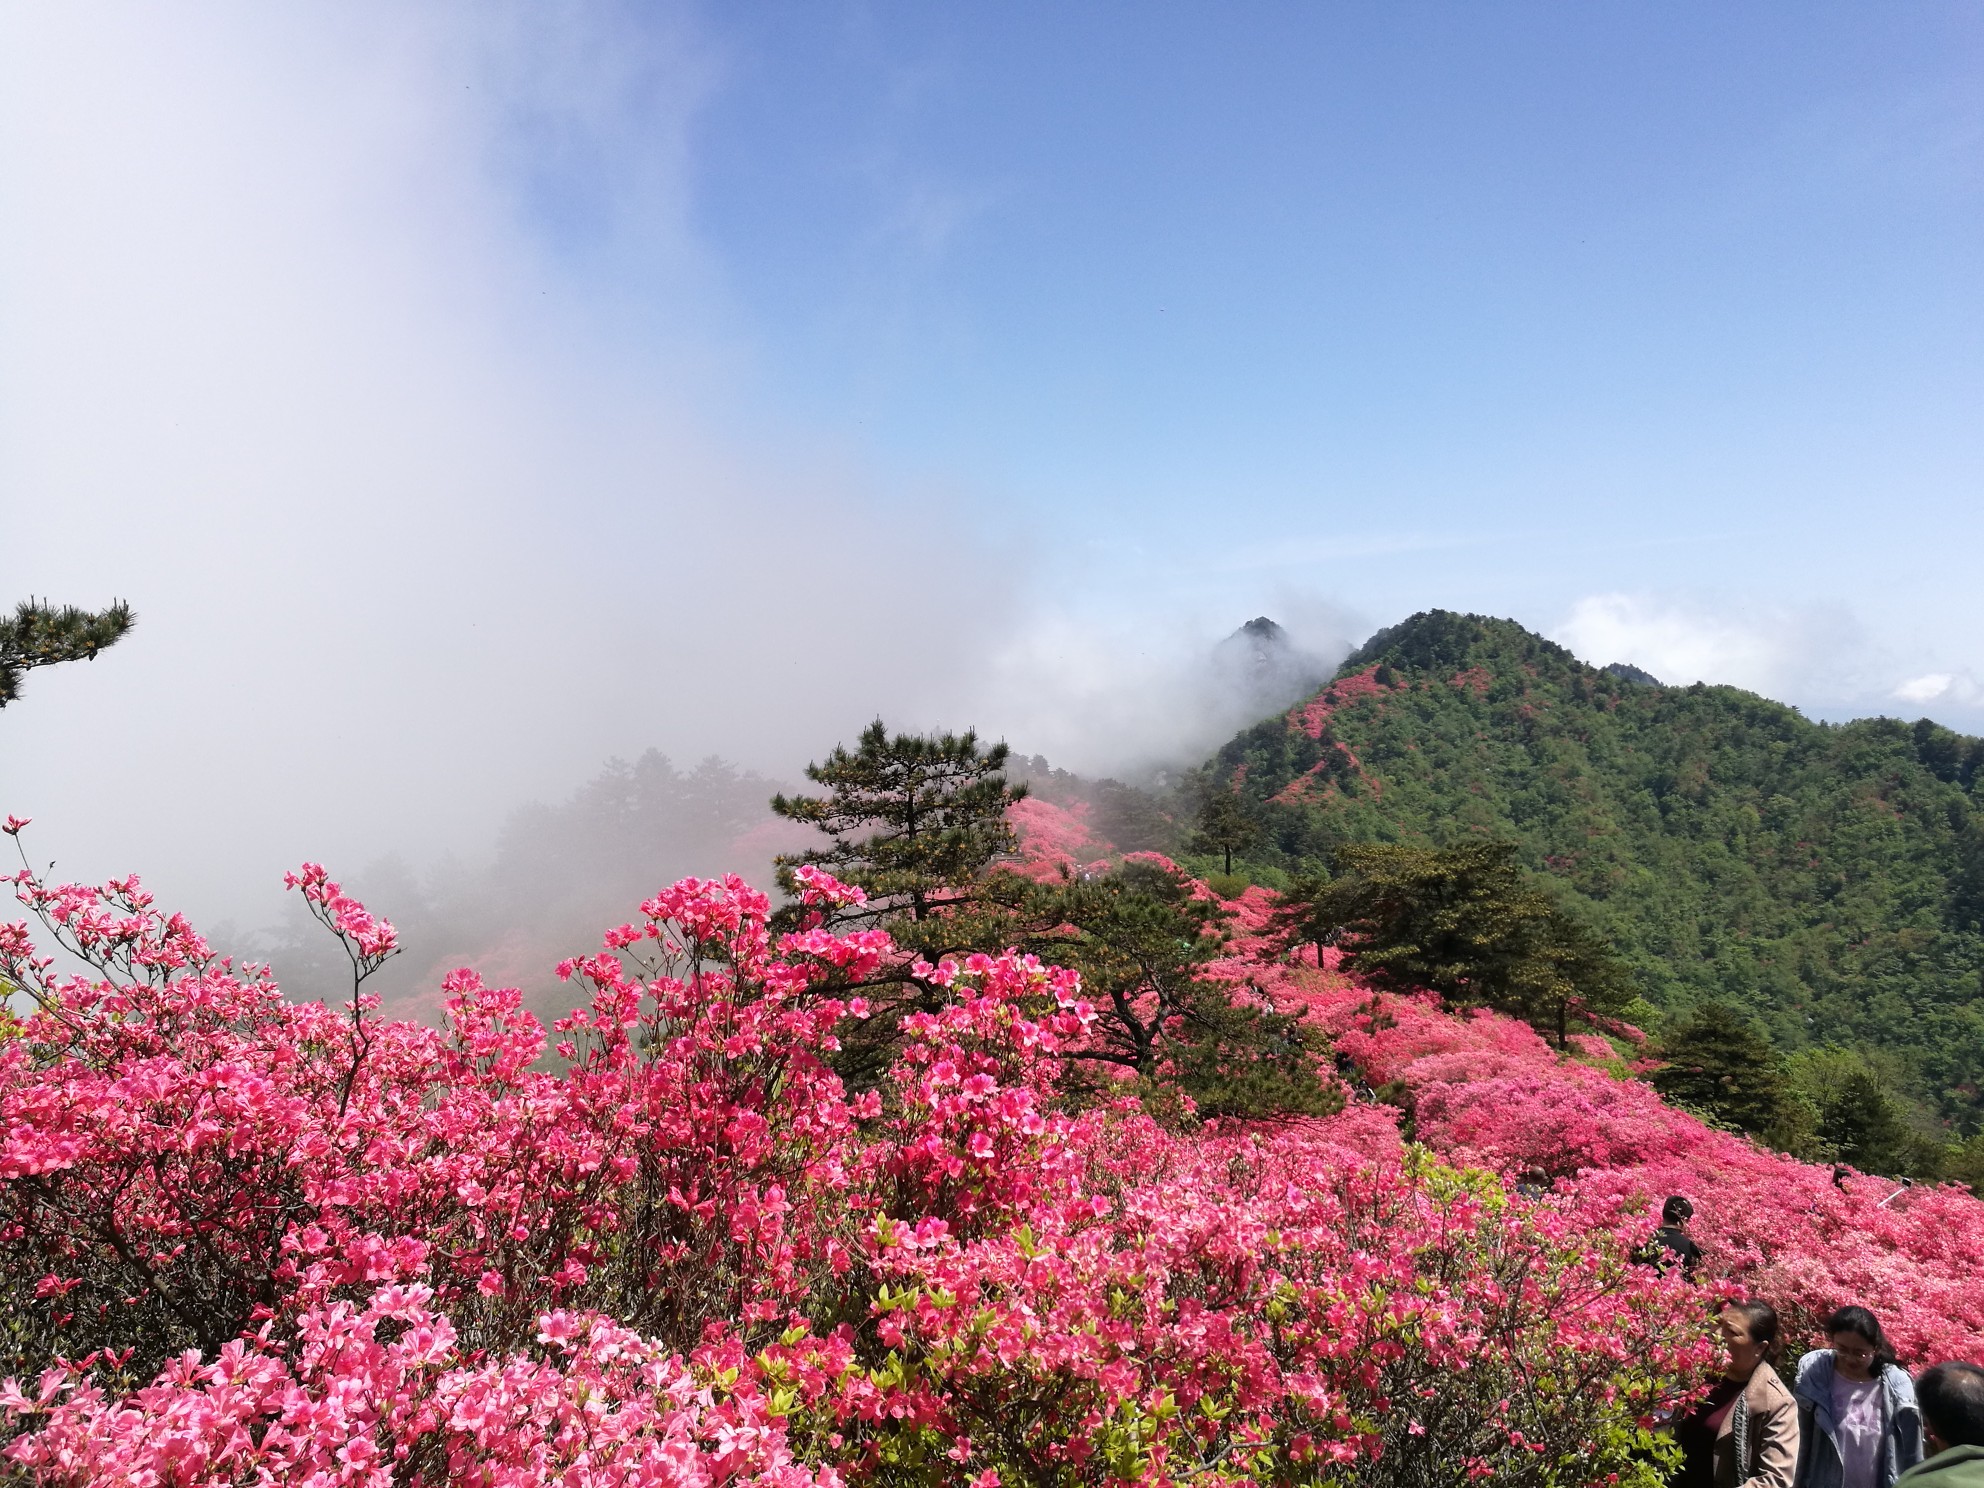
column 1858, row 1424
column 1746, row 1431
column 1671, row 1244
column 1952, row 1399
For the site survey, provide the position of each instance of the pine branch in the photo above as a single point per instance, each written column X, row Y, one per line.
column 39, row 635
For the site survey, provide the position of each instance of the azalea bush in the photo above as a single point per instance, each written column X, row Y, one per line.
column 1484, row 1089
column 248, row 1240
column 1283, row 1309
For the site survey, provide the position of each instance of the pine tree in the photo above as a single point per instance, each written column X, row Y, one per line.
column 1465, row 922
column 1865, row 1126
column 1568, row 970
column 1142, row 943
column 1721, row 1066
column 1224, row 826
column 920, row 825
column 39, row 635
column 914, row 821
column 1964, row 1163
column 1859, row 1116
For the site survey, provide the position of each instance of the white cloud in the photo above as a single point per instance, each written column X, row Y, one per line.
column 370, row 352
column 1941, row 687
column 1811, row 655
column 1817, row 657
column 1098, row 690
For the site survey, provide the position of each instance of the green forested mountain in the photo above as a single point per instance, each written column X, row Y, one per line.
column 1827, row 879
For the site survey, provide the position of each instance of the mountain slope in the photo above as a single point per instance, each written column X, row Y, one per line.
column 1830, row 879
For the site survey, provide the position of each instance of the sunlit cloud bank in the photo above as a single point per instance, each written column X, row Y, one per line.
column 1818, row 656
column 417, row 519
column 373, row 355
column 1960, row 689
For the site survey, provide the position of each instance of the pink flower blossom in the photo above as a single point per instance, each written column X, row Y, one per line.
column 364, row 1250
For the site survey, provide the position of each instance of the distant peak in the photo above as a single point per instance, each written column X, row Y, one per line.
column 1625, row 671
column 1264, row 668
column 1443, row 640
column 1263, row 642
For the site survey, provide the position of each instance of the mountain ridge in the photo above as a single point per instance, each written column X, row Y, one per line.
column 1827, row 879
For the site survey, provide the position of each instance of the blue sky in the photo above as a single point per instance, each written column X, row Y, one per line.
column 1516, row 308
column 1505, row 304
column 464, row 393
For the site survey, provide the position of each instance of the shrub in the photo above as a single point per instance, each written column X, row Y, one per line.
column 250, row 1240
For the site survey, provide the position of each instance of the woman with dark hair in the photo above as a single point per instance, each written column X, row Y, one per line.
column 1859, row 1426
column 1746, row 1430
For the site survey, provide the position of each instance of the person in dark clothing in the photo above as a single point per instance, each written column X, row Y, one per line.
column 1695, row 1434
column 1671, row 1244
column 1952, row 1399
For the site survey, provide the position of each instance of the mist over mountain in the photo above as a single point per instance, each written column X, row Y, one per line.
column 1261, row 668
column 1826, row 879
column 563, row 870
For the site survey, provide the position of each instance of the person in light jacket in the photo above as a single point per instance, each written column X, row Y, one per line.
column 1858, row 1423
column 1746, row 1430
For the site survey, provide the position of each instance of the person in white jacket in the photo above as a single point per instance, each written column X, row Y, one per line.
column 1859, row 1425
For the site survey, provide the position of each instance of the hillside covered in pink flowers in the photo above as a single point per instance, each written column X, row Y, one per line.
column 1485, row 1090
column 678, row 1236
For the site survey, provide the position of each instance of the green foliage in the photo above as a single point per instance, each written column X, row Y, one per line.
column 1947, row 755
column 1142, row 944
column 913, row 820
column 1244, row 877
column 1964, row 1163
column 1826, row 880
column 1234, row 1059
column 1224, row 826
column 1465, row 922
column 1719, row 1065
column 1858, row 1118
column 39, row 635
column 920, row 825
